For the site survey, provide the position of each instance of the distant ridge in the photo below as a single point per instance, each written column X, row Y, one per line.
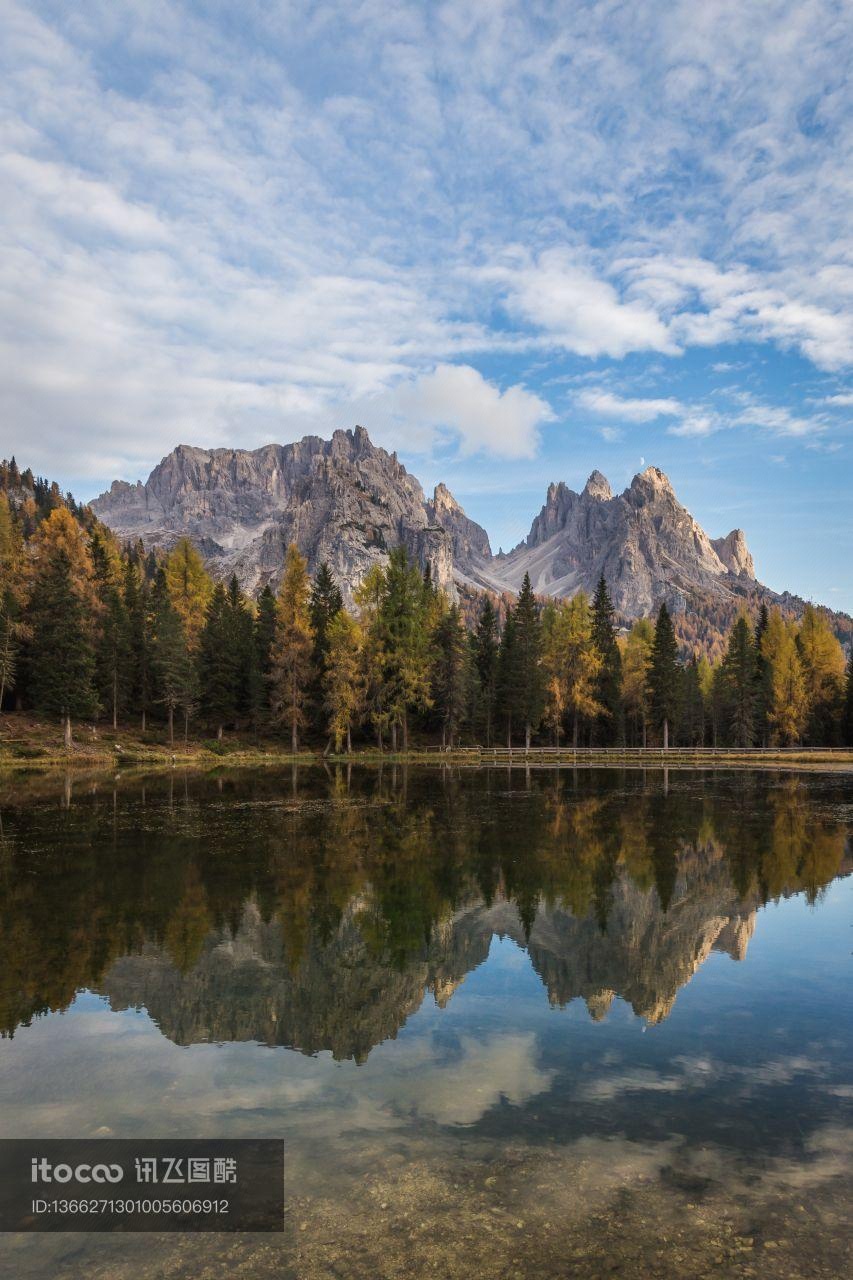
column 347, row 501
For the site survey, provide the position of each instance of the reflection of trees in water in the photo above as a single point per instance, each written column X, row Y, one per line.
column 392, row 855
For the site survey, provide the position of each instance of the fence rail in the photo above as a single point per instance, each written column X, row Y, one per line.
column 629, row 753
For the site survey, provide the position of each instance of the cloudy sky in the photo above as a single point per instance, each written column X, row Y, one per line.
column 516, row 241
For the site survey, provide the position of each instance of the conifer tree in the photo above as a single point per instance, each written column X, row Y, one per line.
column 788, row 701
column 762, row 680
column 847, row 719
column 11, row 598
column 218, row 691
column 484, row 656
column 61, row 655
column 450, row 673
column 404, row 620
column 608, row 685
column 739, row 680
column 571, row 664
column 823, row 674
column 528, row 651
column 636, row 660
column 173, row 666
column 264, row 639
column 113, row 646
column 291, row 655
column 369, row 597
column 507, row 696
column 190, row 588
column 325, row 604
column 664, row 676
column 343, row 679
column 485, row 662
column 136, row 597
column 692, row 706
column 240, row 632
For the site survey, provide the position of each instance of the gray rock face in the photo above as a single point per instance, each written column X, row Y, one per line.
column 734, row 553
column 348, row 502
column 342, row 500
column 647, row 545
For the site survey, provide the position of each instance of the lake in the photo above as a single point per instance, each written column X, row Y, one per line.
column 507, row 1023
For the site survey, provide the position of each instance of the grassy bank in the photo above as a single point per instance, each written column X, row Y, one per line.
column 27, row 742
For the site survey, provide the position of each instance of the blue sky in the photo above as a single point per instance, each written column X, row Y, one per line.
column 516, row 241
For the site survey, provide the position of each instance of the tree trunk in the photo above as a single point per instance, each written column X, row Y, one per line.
column 219, row 733
column 575, row 732
column 644, row 733
column 294, row 737
column 527, row 736
column 349, row 741
column 143, row 719
column 394, row 736
column 666, row 734
column 405, row 731
column 115, row 700
column 67, row 733
column 186, row 729
column 443, row 736
column 509, row 732
column 171, row 725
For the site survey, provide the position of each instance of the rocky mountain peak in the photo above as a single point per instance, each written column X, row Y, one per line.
column 652, row 481
column 735, row 554
column 598, row 486
column 349, row 502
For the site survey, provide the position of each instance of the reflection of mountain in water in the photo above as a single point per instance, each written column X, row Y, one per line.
column 342, row 998
column 321, row 920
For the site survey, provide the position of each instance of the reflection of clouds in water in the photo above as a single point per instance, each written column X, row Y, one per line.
column 700, row 1073
column 462, row 1090
column 231, row 1087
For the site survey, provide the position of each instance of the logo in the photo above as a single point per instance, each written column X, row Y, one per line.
column 41, row 1170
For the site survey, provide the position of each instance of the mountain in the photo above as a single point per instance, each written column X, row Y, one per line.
column 342, row 500
column 349, row 502
column 644, row 542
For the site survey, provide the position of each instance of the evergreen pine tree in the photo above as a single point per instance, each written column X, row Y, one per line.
column 739, row 679
column 218, row 691
column 264, row 639
column 450, row 674
column 664, row 676
column 528, row 651
column 404, row 616
column 608, row 729
column 113, row 648
column 692, row 726
column 325, row 603
column 762, row 681
column 172, row 663
column 485, row 662
column 507, row 682
column 239, row 626
column 292, row 668
column 61, row 655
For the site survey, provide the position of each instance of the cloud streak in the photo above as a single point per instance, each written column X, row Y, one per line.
column 224, row 232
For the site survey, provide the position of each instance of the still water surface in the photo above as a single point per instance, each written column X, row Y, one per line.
column 557, row 1023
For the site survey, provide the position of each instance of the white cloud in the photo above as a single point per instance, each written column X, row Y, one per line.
column 843, row 400
column 456, row 400
column 229, row 234
column 576, row 309
column 610, row 405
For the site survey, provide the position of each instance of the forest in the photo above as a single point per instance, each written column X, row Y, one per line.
column 94, row 631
